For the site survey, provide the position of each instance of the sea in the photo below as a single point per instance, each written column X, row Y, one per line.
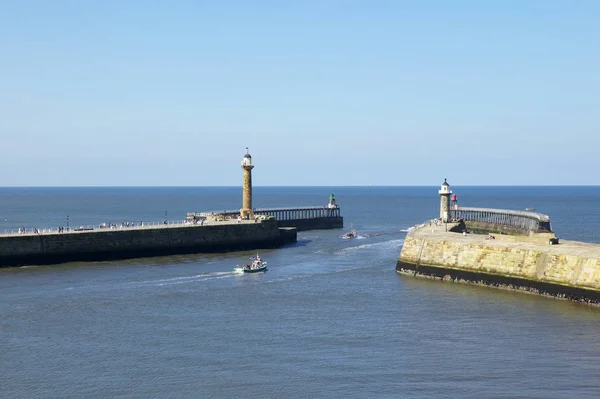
column 330, row 318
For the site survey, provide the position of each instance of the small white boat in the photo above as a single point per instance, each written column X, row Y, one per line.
column 530, row 209
column 255, row 266
column 350, row 234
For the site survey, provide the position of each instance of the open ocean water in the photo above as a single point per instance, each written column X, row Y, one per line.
column 330, row 319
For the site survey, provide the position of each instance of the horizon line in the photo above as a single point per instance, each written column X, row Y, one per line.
column 308, row 186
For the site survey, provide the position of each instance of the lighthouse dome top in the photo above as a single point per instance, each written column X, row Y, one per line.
column 445, row 189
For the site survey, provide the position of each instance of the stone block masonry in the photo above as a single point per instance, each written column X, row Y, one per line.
column 568, row 270
column 109, row 244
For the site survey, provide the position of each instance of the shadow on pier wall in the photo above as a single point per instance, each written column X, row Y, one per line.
column 45, row 249
column 502, row 282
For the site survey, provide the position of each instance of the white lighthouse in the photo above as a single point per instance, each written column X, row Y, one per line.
column 445, row 193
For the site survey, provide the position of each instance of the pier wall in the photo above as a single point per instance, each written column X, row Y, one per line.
column 319, row 223
column 37, row 249
column 505, row 264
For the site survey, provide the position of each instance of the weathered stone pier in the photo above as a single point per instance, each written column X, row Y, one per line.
column 96, row 243
column 502, row 248
column 201, row 232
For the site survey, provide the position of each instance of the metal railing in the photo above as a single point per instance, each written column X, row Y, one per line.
column 288, row 213
column 530, row 221
column 114, row 227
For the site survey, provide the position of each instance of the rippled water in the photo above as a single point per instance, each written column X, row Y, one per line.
column 330, row 318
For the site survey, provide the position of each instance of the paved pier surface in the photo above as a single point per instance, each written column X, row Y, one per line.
column 138, row 226
column 565, row 247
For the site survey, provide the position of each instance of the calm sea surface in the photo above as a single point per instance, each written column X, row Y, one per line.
column 331, row 318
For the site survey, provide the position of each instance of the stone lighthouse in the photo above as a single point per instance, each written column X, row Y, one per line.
column 445, row 193
column 246, row 211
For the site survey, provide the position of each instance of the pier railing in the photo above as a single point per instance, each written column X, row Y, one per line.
column 107, row 227
column 529, row 221
column 295, row 213
column 193, row 218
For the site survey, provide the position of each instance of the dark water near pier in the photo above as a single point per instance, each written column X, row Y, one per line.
column 330, row 318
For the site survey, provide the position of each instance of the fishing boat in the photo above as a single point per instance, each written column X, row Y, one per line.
column 530, row 209
column 350, row 234
column 255, row 266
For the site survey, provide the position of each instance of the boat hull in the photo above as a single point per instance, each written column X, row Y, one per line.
column 244, row 270
column 349, row 235
column 261, row 269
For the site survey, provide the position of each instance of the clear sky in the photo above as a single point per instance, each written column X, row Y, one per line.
column 168, row 93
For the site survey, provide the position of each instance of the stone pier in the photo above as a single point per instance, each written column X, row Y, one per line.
column 538, row 263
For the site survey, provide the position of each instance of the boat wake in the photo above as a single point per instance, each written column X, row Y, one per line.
column 112, row 285
column 180, row 280
column 191, row 279
column 313, row 273
column 383, row 244
column 391, row 233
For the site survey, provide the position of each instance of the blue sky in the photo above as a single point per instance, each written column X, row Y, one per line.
column 157, row 93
